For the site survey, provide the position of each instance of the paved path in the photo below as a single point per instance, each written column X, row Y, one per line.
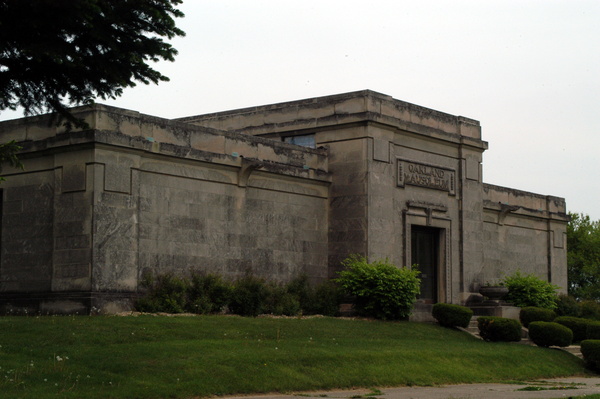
column 577, row 386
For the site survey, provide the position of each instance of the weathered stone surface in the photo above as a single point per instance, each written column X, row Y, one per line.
column 363, row 195
column 97, row 209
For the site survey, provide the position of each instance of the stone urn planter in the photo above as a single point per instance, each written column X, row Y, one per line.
column 493, row 292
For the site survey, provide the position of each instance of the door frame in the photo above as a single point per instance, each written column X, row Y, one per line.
column 426, row 215
column 433, row 236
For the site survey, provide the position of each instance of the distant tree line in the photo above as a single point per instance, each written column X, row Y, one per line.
column 583, row 257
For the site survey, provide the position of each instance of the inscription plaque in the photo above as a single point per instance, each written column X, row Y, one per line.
column 424, row 175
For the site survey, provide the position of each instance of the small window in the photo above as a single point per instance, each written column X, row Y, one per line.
column 305, row 141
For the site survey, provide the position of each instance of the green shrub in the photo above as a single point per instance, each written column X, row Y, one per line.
column 380, row 289
column 300, row 288
column 249, row 296
column 566, row 305
column 531, row 313
column 529, row 290
column 325, row 301
column 449, row 315
column 593, row 330
column 280, row 301
column 499, row 329
column 589, row 310
column 546, row 334
column 299, row 297
column 253, row 296
column 208, row 293
column 576, row 324
column 164, row 293
column 590, row 349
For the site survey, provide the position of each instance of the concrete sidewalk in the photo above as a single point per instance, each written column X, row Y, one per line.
column 554, row 388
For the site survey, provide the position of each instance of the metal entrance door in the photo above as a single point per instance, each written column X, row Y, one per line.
column 425, row 253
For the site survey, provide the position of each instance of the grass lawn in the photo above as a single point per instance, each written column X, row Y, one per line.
column 183, row 357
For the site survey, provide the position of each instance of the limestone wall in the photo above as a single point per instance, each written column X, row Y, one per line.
column 371, row 137
column 28, row 232
column 96, row 209
column 523, row 231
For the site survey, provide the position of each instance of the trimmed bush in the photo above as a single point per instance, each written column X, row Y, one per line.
column 590, row 349
column 380, row 289
column 449, row 315
column 531, row 313
column 593, row 330
column 546, row 334
column 530, row 290
column 499, row 329
column 575, row 324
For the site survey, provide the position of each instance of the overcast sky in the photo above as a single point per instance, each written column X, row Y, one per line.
column 529, row 71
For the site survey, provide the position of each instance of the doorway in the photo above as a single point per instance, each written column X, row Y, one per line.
column 425, row 253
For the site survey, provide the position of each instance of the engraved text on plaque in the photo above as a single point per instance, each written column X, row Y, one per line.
column 424, row 175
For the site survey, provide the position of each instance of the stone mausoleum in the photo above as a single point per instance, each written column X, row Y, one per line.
column 279, row 190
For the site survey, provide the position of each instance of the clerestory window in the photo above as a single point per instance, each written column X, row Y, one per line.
column 307, row 140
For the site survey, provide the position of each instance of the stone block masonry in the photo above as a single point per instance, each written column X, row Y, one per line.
column 97, row 209
column 401, row 171
column 225, row 193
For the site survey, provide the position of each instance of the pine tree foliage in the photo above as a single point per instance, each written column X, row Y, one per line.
column 8, row 156
column 60, row 53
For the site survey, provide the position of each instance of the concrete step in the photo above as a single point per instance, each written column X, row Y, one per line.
column 574, row 349
column 472, row 328
column 526, row 341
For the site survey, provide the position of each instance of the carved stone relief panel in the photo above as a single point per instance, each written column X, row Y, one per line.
column 426, row 175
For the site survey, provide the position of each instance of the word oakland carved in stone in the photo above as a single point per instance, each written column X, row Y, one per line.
column 424, row 175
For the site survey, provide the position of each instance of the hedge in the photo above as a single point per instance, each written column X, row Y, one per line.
column 546, row 334
column 532, row 313
column 449, row 315
column 593, row 330
column 576, row 324
column 247, row 296
column 499, row 329
column 590, row 349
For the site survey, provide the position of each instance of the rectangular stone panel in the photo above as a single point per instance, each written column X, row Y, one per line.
column 73, row 178
column 426, row 175
column 560, row 238
column 381, row 150
column 117, row 178
column 472, row 169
